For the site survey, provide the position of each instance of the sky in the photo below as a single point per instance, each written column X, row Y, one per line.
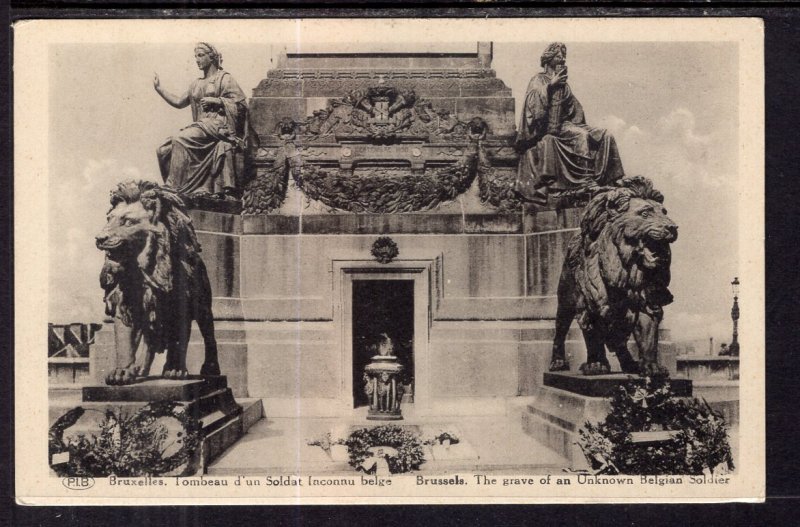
column 673, row 108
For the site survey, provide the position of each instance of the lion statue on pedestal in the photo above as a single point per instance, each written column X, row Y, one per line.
column 615, row 278
column 155, row 282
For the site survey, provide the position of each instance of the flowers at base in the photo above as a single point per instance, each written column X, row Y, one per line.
column 398, row 446
column 378, row 460
column 159, row 439
column 324, row 441
column 698, row 441
column 443, row 437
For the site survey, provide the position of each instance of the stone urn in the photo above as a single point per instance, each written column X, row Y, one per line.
column 383, row 387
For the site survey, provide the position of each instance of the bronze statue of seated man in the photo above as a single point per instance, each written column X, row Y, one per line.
column 558, row 150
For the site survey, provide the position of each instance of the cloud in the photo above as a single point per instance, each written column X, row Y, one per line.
column 105, row 174
column 696, row 172
column 680, row 124
column 671, row 149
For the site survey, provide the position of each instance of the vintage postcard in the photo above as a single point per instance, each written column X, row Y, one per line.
column 389, row 261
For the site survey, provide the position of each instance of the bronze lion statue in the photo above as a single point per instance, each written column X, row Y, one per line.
column 615, row 278
column 155, row 282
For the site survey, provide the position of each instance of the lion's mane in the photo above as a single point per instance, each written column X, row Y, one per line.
column 612, row 285
column 143, row 286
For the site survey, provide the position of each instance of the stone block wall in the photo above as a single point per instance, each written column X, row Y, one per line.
column 492, row 297
column 462, row 83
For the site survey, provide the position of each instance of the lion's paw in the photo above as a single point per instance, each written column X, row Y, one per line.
column 210, row 368
column 121, row 376
column 595, row 368
column 559, row 365
column 175, row 374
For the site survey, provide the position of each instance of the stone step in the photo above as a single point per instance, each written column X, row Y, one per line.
column 606, row 385
column 214, row 421
column 65, row 400
column 221, row 431
column 252, row 412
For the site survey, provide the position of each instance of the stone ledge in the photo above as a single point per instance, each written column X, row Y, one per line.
column 605, row 385
column 156, row 389
column 527, row 223
column 407, row 223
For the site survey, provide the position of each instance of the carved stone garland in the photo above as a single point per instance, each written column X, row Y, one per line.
column 378, row 114
column 382, row 191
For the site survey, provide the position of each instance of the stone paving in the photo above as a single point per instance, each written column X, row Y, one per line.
column 487, row 444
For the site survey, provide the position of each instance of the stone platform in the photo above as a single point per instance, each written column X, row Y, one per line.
column 488, row 444
column 566, row 401
column 208, row 399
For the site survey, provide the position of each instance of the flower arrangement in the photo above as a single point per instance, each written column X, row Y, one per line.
column 141, row 444
column 441, row 437
column 402, row 442
column 325, row 442
column 698, row 441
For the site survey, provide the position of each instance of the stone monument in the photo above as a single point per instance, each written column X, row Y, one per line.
column 354, row 148
column 155, row 283
column 402, row 173
column 348, row 150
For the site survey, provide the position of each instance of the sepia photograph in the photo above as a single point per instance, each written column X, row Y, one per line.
column 389, row 261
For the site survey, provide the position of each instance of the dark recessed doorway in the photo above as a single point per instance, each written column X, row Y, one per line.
column 382, row 308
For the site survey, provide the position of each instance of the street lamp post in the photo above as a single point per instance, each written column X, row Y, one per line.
column 733, row 349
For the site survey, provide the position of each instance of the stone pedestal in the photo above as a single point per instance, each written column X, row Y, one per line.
column 606, row 385
column 384, row 388
column 207, row 399
column 565, row 403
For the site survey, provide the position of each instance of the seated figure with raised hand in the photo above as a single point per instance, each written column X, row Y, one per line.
column 205, row 157
column 559, row 151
